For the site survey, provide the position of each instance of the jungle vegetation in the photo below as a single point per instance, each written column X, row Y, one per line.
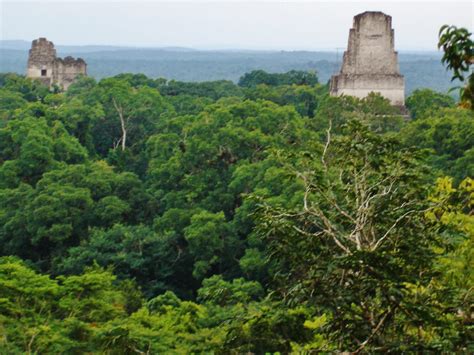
column 143, row 215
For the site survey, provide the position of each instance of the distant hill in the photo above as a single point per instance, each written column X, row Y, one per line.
column 421, row 69
column 25, row 45
column 15, row 44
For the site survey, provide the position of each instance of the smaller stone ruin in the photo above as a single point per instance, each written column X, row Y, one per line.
column 44, row 65
column 370, row 63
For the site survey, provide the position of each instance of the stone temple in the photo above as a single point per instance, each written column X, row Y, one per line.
column 370, row 63
column 44, row 65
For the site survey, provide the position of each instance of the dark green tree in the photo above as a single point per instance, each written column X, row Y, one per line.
column 358, row 244
column 425, row 102
column 458, row 56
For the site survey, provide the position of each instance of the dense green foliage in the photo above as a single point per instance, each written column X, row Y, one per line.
column 425, row 102
column 458, row 48
column 145, row 215
column 258, row 77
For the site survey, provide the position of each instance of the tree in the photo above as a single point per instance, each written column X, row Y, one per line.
column 424, row 102
column 458, row 55
column 81, row 87
column 206, row 237
column 137, row 110
column 9, row 101
column 31, row 90
column 357, row 242
column 30, row 147
column 87, row 313
column 40, row 314
column 373, row 110
column 205, row 165
column 213, row 90
column 448, row 135
column 79, row 119
column 293, row 77
column 135, row 252
column 269, row 327
column 60, row 210
column 304, row 98
column 216, row 291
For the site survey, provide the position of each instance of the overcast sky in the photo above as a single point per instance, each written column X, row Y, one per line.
column 290, row 25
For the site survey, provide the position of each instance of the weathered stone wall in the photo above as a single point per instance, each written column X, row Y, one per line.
column 41, row 60
column 68, row 69
column 370, row 63
column 44, row 65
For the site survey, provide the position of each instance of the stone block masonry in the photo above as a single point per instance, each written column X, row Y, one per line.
column 370, row 63
column 44, row 65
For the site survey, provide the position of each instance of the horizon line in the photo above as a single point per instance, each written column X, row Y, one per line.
column 214, row 48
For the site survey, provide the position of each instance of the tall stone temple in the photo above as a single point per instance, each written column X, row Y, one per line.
column 44, row 65
column 370, row 62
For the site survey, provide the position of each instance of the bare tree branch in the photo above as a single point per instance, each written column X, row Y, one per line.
column 326, row 146
column 119, row 110
column 377, row 328
column 391, row 228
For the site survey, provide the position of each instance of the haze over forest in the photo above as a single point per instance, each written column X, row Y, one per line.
column 421, row 69
column 202, row 41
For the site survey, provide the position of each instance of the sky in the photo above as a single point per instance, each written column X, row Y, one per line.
column 268, row 25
